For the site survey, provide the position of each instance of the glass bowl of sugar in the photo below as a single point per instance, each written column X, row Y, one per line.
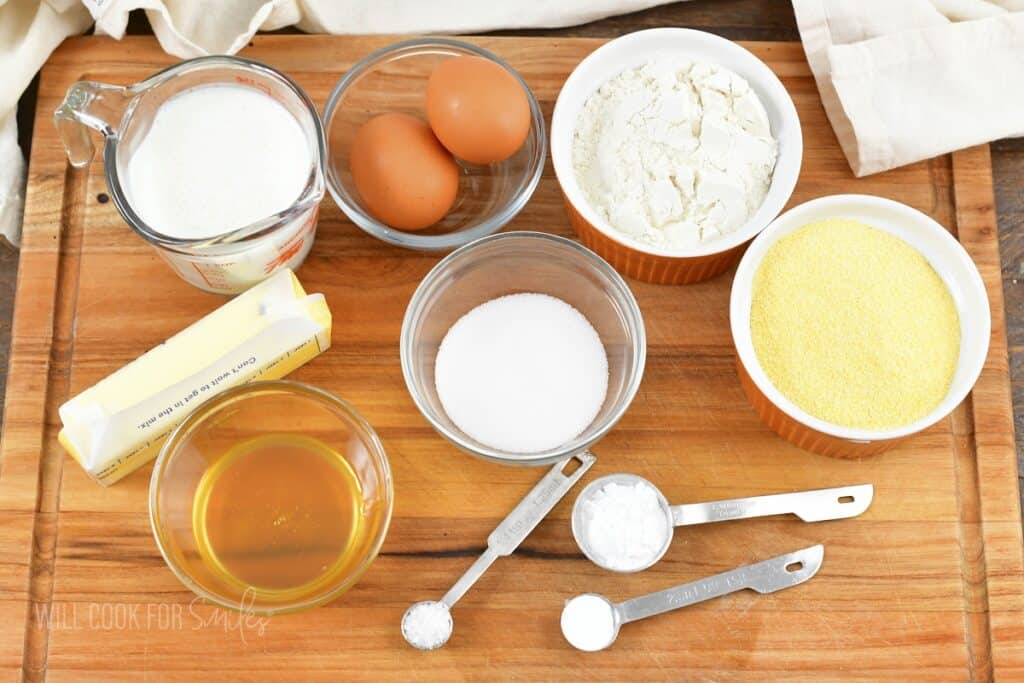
column 523, row 348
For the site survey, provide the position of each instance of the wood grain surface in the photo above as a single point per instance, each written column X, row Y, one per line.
column 737, row 20
column 927, row 585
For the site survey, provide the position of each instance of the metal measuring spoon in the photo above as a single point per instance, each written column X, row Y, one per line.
column 512, row 531
column 818, row 505
column 591, row 622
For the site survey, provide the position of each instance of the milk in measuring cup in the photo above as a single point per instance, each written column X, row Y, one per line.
column 215, row 161
column 217, row 158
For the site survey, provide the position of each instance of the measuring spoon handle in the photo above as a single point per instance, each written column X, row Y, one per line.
column 466, row 581
column 840, row 502
column 768, row 576
column 523, row 519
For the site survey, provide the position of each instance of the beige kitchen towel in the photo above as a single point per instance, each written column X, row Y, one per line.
column 190, row 28
column 905, row 80
column 29, row 31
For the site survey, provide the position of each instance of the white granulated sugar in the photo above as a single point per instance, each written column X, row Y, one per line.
column 675, row 153
column 588, row 623
column 625, row 526
column 522, row 373
column 427, row 625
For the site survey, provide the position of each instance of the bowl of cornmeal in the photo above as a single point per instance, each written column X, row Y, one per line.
column 858, row 321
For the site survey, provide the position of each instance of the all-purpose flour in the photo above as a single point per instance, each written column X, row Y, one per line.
column 675, row 154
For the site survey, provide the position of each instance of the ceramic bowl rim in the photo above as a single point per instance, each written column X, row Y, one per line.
column 941, row 239
column 695, row 43
column 692, row 43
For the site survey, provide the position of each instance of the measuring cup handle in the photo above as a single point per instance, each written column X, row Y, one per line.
column 841, row 502
column 89, row 105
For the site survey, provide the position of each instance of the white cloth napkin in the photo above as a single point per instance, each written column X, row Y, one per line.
column 29, row 32
column 905, row 80
column 901, row 80
column 190, row 28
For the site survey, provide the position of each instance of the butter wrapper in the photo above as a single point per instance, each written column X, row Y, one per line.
column 118, row 425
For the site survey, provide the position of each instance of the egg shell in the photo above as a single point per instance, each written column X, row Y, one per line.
column 406, row 178
column 478, row 109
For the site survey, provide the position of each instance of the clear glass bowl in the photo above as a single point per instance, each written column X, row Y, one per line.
column 205, row 443
column 394, row 79
column 524, row 262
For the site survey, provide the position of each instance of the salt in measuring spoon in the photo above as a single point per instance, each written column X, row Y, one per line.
column 591, row 622
column 841, row 502
column 512, row 531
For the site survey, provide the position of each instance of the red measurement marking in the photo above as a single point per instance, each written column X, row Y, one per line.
column 255, row 84
column 310, row 222
column 293, row 246
column 284, row 256
column 202, row 275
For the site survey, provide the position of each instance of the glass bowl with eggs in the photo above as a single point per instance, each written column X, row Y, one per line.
column 433, row 143
column 673, row 149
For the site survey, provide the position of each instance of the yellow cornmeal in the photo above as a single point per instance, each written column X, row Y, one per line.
column 854, row 326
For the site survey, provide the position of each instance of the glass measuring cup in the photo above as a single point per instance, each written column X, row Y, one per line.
column 231, row 261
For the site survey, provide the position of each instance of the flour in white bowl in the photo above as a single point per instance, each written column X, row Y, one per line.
column 673, row 153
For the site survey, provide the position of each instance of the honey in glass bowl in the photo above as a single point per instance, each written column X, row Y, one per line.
column 273, row 497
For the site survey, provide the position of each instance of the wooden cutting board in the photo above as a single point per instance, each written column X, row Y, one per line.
column 928, row 584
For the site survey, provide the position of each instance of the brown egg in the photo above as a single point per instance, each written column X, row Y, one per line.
column 406, row 178
column 477, row 109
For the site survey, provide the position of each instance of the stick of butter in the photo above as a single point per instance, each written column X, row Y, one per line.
column 119, row 424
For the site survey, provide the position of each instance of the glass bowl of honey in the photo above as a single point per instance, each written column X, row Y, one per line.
column 272, row 497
